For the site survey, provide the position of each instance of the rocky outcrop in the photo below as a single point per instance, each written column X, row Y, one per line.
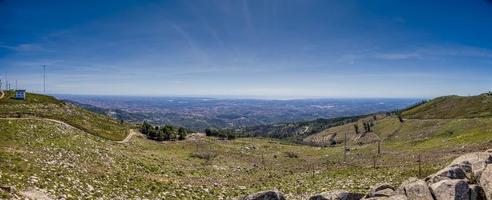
column 448, row 173
column 337, row 195
column 381, row 190
column 266, row 195
column 476, row 162
column 468, row 177
column 415, row 189
column 451, row 189
column 486, row 181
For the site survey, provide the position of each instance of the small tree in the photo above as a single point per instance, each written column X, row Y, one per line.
column 182, row 133
column 146, row 127
column 356, row 126
column 400, row 118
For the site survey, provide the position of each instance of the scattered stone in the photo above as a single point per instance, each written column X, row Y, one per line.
column 486, row 181
column 35, row 194
column 381, row 190
column 337, row 195
column 9, row 189
column 415, row 189
column 476, row 193
column 451, row 172
column 478, row 161
column 266, row 195
column 451, row 189
column 395, row 197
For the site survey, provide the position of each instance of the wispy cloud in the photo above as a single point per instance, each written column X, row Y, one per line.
column 26, row 47
column 427, row 52
column 397, row 56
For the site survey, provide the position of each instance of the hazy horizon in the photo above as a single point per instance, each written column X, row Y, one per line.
column 256, row 49
column 218, row 97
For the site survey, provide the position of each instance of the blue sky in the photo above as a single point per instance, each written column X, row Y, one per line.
column 250, row 48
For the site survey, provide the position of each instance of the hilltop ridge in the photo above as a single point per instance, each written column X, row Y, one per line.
column 453, row 107
column 453, row 118
column 44, row 106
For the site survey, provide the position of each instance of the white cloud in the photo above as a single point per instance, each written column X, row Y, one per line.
column 27, row 47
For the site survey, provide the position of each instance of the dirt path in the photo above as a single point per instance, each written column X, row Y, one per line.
column 35, row 194
column 128, row 137
column 3, row 94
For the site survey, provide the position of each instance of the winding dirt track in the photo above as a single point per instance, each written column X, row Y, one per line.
column 129, row 136
column 127, row 139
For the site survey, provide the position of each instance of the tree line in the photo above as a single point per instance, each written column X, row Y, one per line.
column 163, row 133
column 222, row 133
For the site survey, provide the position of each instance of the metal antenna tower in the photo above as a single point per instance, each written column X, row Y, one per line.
column 44, row 79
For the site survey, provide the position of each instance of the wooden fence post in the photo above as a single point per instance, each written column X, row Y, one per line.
column 420, row 167
column 345, row 149
column 379, row 147
column 374, row 162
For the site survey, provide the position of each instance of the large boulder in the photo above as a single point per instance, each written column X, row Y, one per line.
column 337, row 195
column 395, row 197
column 381, row 190
column 451, row 172
column 266, row 195
column 451, row 189
column 476, row 193
column 486, row 181
column 477, row 162
column 415, row 189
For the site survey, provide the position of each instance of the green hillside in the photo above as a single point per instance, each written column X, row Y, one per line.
column 63, row 162
column 449, row 120
column 453, row 107
column 44, row 157
column 43, row 106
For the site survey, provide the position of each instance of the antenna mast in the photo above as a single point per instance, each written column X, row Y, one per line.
column 44, row 79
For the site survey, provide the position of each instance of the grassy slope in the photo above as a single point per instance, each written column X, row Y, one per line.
column 59, row 155
column 452, row 107
column 65, row 161
column 48, row 107
column 442, row 120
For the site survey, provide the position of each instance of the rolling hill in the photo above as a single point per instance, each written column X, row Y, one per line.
column 441, row 121
column 453, row 107
column 42, row 106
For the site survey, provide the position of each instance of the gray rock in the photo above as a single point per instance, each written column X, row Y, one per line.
column 415, row 189
column 476, row 193
column 451, row 189
column 477, row 161
column 266, row 195
column 395, row 197
column 9, row 189
column 486, row 181
column 381, row 190
column 337, row 195
column 450, row 172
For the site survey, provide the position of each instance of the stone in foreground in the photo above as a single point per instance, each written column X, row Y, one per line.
column 266, row 195
column 451, row 189
column 486, row 181
column 337, row 195
column 415, row 189
column 381, row 190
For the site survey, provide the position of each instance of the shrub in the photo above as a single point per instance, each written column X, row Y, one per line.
column 205, row 155
column 290, row 154
column 163, row 133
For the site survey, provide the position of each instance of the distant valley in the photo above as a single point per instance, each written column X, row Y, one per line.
column 201, row 113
